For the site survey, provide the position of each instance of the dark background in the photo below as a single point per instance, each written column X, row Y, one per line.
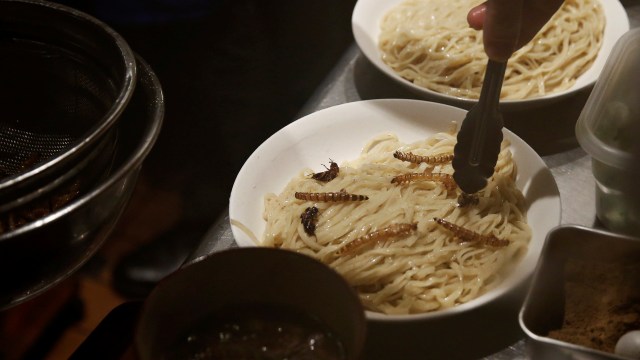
column 233, row 72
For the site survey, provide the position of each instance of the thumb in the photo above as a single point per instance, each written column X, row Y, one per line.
column 502, row 23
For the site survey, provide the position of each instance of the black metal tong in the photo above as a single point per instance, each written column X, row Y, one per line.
column 480, row 135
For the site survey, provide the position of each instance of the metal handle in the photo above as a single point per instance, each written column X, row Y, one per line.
column 487, row 105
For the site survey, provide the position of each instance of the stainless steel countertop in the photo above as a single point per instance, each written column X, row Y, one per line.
column 548, row 129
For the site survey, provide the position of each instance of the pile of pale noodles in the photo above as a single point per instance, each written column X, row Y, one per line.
column 427, row 270
column 430, row 43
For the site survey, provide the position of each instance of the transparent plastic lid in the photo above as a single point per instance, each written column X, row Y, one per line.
column 609, row 126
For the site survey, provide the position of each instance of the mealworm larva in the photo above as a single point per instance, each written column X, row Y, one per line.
column 445, row 179
column 308, row 219
column 330, row 196
column 465, row 199
column 417, row 159
column 328, row 175
column 466, row 235
column 382, row 234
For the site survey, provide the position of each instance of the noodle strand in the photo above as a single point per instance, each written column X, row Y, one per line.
column 421, row 270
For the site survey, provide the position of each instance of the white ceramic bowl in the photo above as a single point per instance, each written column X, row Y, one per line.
column 484, row 325
column 340, row 132
column 366, row 30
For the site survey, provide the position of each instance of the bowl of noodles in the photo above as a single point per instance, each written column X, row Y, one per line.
column 427, row 46
column 383, row 212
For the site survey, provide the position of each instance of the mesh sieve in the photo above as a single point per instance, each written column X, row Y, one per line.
column 65, row 78
column 21, row 149
column 40, row 254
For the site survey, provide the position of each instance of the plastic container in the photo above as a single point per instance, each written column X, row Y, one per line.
column 609, row 130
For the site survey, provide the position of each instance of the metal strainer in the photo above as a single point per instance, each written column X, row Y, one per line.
column 78, row 115
column 21, row 149
column 65, row 79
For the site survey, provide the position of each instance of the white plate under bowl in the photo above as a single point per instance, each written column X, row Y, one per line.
column 341, row 131
column 365, row 22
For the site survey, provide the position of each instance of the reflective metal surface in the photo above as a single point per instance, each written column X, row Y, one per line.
column 39, row 255
column 66, row 79
column 546, row 306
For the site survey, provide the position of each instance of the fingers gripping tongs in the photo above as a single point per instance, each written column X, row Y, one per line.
column 476, row 152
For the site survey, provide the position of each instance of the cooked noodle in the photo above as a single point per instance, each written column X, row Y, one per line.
column 426, row 270
column 430, row 43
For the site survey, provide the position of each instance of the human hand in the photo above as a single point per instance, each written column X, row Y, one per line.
column 510, row 24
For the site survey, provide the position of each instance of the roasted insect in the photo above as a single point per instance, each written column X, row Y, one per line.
column 378, row 235
column 328, row 175
column 308, row 218
column 465, row 199
column 465, row 235
column 417, row 159
column 330, row 196
column 445, row 179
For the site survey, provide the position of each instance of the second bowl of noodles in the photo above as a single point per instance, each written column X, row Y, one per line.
column 383, row 212
column 427, row 46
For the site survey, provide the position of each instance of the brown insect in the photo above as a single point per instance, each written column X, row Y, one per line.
column 308, row 218
column 328, row 175
column 417, row 159
column 341, row 196
column 445, row 179
column 378, row 235
column 466, row 235
column 465, row 199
